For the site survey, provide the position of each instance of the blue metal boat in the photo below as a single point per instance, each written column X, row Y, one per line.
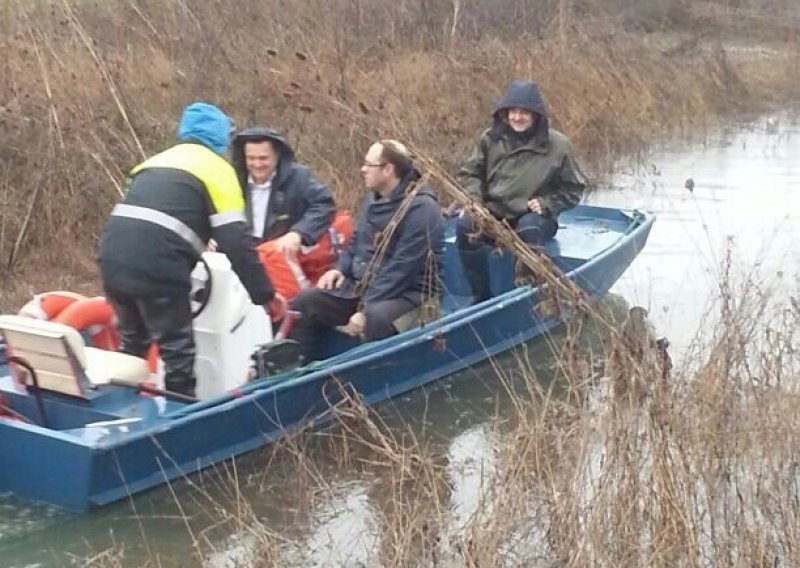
column 82, row 452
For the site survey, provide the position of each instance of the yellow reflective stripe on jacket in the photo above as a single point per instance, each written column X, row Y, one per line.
column 212, row 169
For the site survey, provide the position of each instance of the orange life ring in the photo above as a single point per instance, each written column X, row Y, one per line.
column 47, row 305
column 96, row 317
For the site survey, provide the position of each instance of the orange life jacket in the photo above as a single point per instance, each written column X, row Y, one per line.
column 289, row 277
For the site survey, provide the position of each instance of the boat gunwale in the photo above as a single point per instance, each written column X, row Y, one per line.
column 417, row 335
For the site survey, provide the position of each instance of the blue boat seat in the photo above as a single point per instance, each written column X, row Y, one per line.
column 63, row 363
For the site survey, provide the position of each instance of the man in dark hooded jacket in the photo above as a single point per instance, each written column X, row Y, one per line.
column 391, row 264
column 523, row 172
column 175, row 202
column 297, row 203
column 289, row 211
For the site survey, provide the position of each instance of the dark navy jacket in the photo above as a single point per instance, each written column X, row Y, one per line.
column 297, row 202
column 192, row 185
column 410, row 264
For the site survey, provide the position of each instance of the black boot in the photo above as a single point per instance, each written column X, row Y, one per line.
column 476, row 272
column 169, row 321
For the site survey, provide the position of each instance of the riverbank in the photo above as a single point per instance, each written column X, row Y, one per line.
column 92, row 90
column 615, row 462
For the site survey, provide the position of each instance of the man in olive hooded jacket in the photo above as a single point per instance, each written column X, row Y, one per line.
column 523, row 172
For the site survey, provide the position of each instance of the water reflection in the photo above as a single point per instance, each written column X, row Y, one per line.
column 345, row 529
column 470, row 469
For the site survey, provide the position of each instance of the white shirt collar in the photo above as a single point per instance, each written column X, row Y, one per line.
column 266, row 185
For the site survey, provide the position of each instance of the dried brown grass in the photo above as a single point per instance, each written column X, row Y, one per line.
column 621, row 465
column 630, row 466
column 91, row 88
column 625, row 467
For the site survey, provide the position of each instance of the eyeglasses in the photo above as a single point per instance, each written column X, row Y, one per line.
column 368, row 165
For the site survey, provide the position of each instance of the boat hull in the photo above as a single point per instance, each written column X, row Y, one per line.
column 77, row 473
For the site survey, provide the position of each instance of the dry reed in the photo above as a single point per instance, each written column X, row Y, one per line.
column 632, row 464
column 87, row 90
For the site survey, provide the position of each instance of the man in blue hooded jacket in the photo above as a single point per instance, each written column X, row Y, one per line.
column 391, row 264
column 523, row 172
column 174, row 203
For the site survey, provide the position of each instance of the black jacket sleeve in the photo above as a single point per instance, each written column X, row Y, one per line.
column 235, row 240
column 318, row 204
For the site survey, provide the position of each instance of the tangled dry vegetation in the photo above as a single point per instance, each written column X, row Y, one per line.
column 89, row 88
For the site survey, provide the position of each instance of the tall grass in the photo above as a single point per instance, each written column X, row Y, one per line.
column 634, row 465
column 89, row 89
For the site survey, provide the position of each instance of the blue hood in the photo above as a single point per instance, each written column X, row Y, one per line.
column 206, row 124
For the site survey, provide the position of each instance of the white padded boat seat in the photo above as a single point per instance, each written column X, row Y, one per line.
column 61, row 360
column 408, row 320
column 103, row 365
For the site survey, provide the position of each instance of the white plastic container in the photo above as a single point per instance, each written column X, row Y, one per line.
column 227, row 330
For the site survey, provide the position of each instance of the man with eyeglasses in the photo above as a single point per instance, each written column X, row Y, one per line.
column 391, row 263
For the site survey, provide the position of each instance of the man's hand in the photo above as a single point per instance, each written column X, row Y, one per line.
column 330, row 280
column 289, row 244
column 276, row 307
column 535, row 205
column 211, row 246
column 355, row 327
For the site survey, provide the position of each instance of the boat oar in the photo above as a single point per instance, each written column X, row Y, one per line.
column 149, row 389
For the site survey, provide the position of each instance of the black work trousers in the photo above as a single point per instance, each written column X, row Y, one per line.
column 321, row 310
column 165, row 320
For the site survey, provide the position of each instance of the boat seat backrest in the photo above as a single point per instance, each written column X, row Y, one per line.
column 54, row 350
column 61, row 360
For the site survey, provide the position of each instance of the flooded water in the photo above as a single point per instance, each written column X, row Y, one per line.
column 739, row 192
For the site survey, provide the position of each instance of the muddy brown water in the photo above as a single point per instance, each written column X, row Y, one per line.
column 738, row 192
